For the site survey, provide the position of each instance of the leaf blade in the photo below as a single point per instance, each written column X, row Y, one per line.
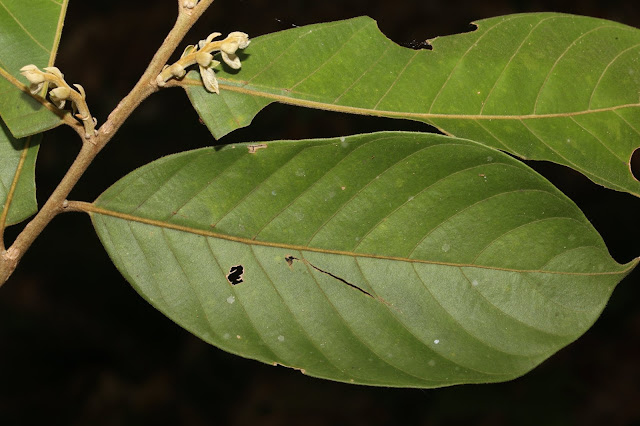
column 175, row 229
column 17, row 177
column 499, row 84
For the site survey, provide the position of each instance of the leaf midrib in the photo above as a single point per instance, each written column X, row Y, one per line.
column 93, row 209
column 256, row 90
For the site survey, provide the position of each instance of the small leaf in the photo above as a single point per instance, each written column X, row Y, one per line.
column 17, row 170
column 29, row 34
column 393, row 259
column 542, row 86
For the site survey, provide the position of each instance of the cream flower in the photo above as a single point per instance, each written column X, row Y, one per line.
column 34, row 76
column 206, row 63
column 236, row 40
column 59, row 95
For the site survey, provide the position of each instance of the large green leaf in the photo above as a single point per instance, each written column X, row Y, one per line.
column 542, row 86
column 17, row 181
column 29, row 34
column 395, row 259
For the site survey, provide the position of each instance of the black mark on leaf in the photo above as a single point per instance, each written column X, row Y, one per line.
column 634, row 164
column 235, row 275
column 289, row 259
column 417, row 44
column 255, row 147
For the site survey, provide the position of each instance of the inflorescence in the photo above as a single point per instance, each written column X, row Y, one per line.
column 60, row 92
column 203, row 56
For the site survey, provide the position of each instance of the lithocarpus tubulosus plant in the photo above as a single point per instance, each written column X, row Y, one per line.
column 405, row 259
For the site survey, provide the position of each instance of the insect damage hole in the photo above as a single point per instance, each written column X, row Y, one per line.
column 236, row 275
column 254, row 148
column 289, row 259
column 634, row 164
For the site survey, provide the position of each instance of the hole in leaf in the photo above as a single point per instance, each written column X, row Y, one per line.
column 290, row 260
column 417, row 44
column 235, row 275
column 634, row 164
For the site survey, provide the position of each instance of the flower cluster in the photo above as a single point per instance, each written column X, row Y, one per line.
column 203, row 56
column 60, row 92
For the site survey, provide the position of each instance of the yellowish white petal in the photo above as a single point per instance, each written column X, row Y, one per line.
column 188, row 50
column 234, row 41
column 81, row 91
column 204, row 59
column 209, row 39
column 209, row 80
column 59, row 95
column 232, row 60
column 60, row 92
column 33, row 74
column 55, row 71
column 36, row 88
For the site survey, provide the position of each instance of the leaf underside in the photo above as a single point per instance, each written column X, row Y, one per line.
column 542, row 86
column 29, row 34
column 17, row 158
column 393, row 259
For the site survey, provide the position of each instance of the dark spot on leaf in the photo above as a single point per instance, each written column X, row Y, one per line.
column 235, row 274
column 254, row 148
column 634, row 164
column 289, row 259
column 417, row 45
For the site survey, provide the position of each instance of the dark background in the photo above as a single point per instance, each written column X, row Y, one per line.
column 78, row 346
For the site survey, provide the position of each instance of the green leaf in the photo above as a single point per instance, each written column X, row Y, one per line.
column 542, row 86
column 17, row 180
column 29, row 34
column 395, row 259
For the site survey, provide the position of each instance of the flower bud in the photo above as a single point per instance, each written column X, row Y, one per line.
column 234, row 41
column 204, row 59
column 60, row 93
column 241, row 38
column 177, row 70
column 33, row 74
